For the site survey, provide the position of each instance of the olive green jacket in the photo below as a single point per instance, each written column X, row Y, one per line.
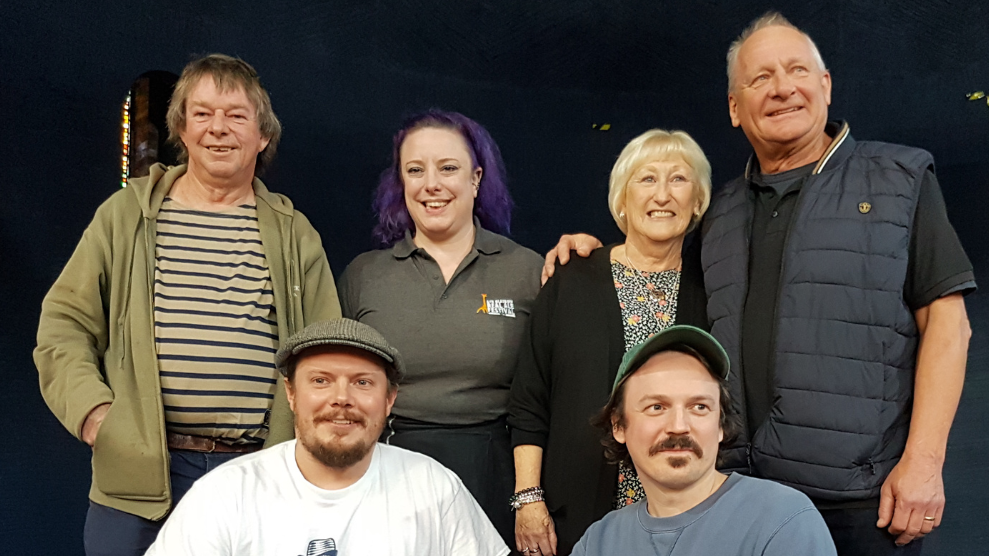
column 96, row 335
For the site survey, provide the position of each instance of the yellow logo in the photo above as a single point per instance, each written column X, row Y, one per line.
column 497, row 307
column 865, row 207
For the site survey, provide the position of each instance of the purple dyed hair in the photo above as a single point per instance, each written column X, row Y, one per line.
column 493, row 205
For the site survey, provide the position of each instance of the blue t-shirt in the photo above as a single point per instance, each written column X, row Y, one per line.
column 745, row 517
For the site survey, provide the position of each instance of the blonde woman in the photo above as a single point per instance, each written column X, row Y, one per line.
column 584, row 320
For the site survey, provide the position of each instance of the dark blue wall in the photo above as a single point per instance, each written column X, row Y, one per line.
column 537, row 74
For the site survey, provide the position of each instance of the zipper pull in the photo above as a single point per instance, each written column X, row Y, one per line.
column 872, row 466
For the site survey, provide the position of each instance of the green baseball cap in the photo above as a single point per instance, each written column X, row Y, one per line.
column 681, row 334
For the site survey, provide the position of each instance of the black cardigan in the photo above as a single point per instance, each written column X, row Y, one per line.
column 566, row 368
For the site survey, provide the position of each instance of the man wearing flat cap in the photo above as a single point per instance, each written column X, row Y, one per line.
column 334, row 485
column 668, row 412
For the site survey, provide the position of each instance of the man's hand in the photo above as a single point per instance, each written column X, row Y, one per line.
column 535, row 533
column 93, row 422
column 582, row 243
column 912, row 492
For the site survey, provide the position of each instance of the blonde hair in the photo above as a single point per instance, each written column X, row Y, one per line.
column 768, row 19
column 659, row 144
column 228, row 74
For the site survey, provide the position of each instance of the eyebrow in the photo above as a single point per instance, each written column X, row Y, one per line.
column 228, row 107
column 441, row 161
column 662, row 398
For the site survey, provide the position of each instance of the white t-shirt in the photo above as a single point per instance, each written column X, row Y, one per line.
column 406, row 504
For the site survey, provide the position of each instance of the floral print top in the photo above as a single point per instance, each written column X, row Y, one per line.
column 649, row 304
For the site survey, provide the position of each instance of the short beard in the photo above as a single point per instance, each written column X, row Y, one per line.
column 335, row 457
column 332, row 455
column 677, row 442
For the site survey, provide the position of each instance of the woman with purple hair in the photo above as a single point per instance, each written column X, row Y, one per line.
column 453, row 295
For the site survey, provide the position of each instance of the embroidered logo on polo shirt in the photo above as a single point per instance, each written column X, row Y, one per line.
column 498, row 307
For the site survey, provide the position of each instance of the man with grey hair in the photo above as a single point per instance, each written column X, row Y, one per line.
column 156, row 344
column 335, row 488
column 835, row 283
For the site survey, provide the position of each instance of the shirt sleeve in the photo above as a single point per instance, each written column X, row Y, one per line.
column 468, row 530
column 74, row 332
column 319, row 295
column 803, row 533
column 529, row 399
column 200, row 526
column 938, row 265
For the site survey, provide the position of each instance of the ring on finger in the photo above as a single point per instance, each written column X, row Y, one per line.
column 525, row 550
column 929, row 518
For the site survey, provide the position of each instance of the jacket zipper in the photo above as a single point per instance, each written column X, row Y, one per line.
column 150, row 235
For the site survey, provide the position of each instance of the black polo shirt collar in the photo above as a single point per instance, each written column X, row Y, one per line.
column 485, row 242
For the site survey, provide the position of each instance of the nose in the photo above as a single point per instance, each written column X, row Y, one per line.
column 661, row 192
column 679, row 421
column 218, row 123
column 783, row 84
column 432, row 180
column 341, row 395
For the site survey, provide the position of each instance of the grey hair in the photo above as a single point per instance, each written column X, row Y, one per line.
column 771, row 18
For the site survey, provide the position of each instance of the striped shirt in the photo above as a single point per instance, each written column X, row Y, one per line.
column 215, row 327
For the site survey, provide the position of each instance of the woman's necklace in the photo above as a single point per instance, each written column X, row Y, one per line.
column 656, row 294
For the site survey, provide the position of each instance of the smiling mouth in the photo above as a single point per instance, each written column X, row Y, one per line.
column 785, row 111
column 341, row 421
column 660, row 214
column 220, row 149
column 435, row 204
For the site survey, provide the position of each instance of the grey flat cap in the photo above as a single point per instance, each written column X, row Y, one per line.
column 340, row 332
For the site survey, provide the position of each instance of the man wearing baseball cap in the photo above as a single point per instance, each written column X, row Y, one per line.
column 334, row 486
column 669, row 410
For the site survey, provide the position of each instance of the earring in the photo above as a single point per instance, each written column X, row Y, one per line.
column 621, row 215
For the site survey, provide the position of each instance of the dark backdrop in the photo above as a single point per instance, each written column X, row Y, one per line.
column 537, row 74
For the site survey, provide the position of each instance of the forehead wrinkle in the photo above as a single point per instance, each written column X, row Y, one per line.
column 812, row 52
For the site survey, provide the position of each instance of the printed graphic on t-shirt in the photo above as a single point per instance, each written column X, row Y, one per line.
column 322, row 547
column 497, row 307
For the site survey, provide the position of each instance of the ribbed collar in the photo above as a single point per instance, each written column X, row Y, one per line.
column 679, row 521
column 840, row 148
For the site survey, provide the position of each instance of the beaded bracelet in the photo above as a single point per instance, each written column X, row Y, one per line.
column 526, row 496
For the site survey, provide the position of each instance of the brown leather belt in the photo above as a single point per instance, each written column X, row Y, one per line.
column 202, row 444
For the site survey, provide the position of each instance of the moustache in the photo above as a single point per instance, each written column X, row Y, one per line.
column 678, row 442
column 340, row 416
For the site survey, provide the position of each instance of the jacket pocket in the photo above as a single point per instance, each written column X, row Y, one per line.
column 128, row 462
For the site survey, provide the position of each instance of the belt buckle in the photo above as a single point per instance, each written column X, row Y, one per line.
column 212, row 445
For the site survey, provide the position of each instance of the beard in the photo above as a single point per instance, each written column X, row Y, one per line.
column 677, row 442
column 333, row 453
